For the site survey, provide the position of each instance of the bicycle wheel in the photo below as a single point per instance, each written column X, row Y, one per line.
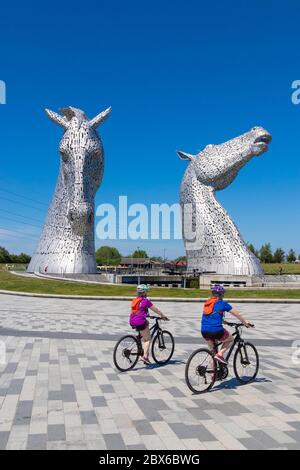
column 162, row 347
column 126, row 353
column 201, row 371
column 246, row 363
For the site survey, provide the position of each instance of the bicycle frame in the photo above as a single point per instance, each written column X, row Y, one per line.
column 153, row 330
column 238, row 340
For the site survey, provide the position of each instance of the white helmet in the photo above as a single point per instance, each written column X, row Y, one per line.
column 142, row 288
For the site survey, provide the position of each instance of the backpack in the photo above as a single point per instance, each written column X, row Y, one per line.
column 137, row 317
column 135, row 305
column 209, row 306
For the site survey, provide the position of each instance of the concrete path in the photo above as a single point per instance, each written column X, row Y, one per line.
column 60, row 390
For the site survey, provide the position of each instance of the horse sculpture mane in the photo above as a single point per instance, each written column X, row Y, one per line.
column 67, row 244
column 212, row 241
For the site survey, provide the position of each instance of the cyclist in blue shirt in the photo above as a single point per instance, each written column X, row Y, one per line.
column 212, row 321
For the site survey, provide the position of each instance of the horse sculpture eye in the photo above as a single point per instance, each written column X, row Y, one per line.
column 64, row 156
column 95, row 153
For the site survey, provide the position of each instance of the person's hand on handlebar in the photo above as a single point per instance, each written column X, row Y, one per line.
column 245, row 322
column 163, row 317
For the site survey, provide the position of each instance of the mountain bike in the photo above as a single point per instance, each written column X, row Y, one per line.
column 202, row 369
column 129, row 348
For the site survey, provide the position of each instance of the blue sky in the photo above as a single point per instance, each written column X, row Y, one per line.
column 179, row 75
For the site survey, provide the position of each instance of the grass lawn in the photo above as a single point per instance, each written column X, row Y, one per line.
column 287, row 268
column 16, row 266
column 11, row 282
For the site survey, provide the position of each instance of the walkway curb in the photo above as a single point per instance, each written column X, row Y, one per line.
column 158, row 299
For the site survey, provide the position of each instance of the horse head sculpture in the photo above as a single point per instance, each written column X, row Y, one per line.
column 67, row 241
column 217, row 245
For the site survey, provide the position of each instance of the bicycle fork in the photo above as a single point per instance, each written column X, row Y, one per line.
column 244, row 355
column 161, row 340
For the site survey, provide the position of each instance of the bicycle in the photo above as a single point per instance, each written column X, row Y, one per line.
column 129, row 348
column 202, row 369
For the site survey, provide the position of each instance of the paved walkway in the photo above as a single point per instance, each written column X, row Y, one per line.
column 59, row 388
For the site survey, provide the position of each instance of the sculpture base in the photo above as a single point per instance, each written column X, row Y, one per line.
column 207, row 280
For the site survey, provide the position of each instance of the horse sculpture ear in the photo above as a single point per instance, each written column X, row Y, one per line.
column 185, row 156
column 97, row 120
column 57, row 119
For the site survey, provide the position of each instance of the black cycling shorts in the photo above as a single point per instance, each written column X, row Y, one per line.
column 141, row 327
column 213, row 336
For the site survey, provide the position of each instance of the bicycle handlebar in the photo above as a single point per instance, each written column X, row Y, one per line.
column 237, row 325
column 155, row 318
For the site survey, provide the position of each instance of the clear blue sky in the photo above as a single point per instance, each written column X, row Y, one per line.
column 179, row 75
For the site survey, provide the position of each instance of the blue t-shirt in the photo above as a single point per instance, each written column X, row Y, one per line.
column 212, row 323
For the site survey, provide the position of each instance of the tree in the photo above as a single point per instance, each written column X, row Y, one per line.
column 21, row 258
column 180, row 258
column 157, row 258
column 278, row 256
column 252, row 249
column 139, row 254
column 4, row 255
column 291, row 257
column 108, row 255
column 265, row 253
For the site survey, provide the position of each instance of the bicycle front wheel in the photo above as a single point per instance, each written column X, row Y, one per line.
column 163, row 347
column 246, row 363
column 201, row 371
column 126, row 353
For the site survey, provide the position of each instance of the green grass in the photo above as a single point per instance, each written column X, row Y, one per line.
column 16, row 266
column 287, row 268
column 11, row 282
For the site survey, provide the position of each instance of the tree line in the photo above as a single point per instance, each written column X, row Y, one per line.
column 266, row 255
column 6, row 257
column 108, row 255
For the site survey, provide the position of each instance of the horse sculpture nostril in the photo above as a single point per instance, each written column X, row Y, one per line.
column 71, row 215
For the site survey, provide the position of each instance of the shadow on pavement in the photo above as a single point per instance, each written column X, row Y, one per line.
column 234, row 383
column 154, row 365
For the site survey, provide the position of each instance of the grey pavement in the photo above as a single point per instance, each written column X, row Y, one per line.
column 59, row 388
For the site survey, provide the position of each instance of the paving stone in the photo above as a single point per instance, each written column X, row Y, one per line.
column 137, row 447
column 88, row 417
column 175, row 392
column 4, row 435
column 15, row 387
column 68, row 393
column 98, row 401
column 55, row 395
column 23, row 412
column 114, row 442
column 252, row 444
column 264, row 439
column 189, row 432
column 37, row 442
column 283, row 407
column 143, row 427
column 87, row 373
column 56, row 432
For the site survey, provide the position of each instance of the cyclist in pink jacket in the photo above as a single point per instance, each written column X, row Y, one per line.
column 138, row 317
